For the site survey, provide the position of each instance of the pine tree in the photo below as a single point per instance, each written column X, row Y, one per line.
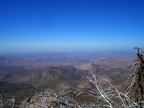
column 135, row 87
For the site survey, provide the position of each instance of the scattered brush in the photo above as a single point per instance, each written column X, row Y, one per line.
column 109, row 97
column 49, row 99
column 6, row 102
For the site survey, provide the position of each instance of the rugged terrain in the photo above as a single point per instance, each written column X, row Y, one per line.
column 22, row 75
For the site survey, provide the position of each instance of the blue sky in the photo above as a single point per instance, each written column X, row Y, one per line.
column 56, row 25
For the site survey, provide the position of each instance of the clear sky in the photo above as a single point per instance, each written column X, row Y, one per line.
column 50, row 25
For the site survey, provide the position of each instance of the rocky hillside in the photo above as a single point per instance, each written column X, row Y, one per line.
column 22, row 75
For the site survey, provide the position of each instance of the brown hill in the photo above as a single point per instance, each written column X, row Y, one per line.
column 41, row 77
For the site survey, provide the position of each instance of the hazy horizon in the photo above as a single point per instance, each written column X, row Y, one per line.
column 102, row 53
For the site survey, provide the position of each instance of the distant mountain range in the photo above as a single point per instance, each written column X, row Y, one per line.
column 25, row 74
column 57, row 59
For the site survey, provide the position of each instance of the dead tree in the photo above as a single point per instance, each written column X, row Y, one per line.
column 135, row 85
